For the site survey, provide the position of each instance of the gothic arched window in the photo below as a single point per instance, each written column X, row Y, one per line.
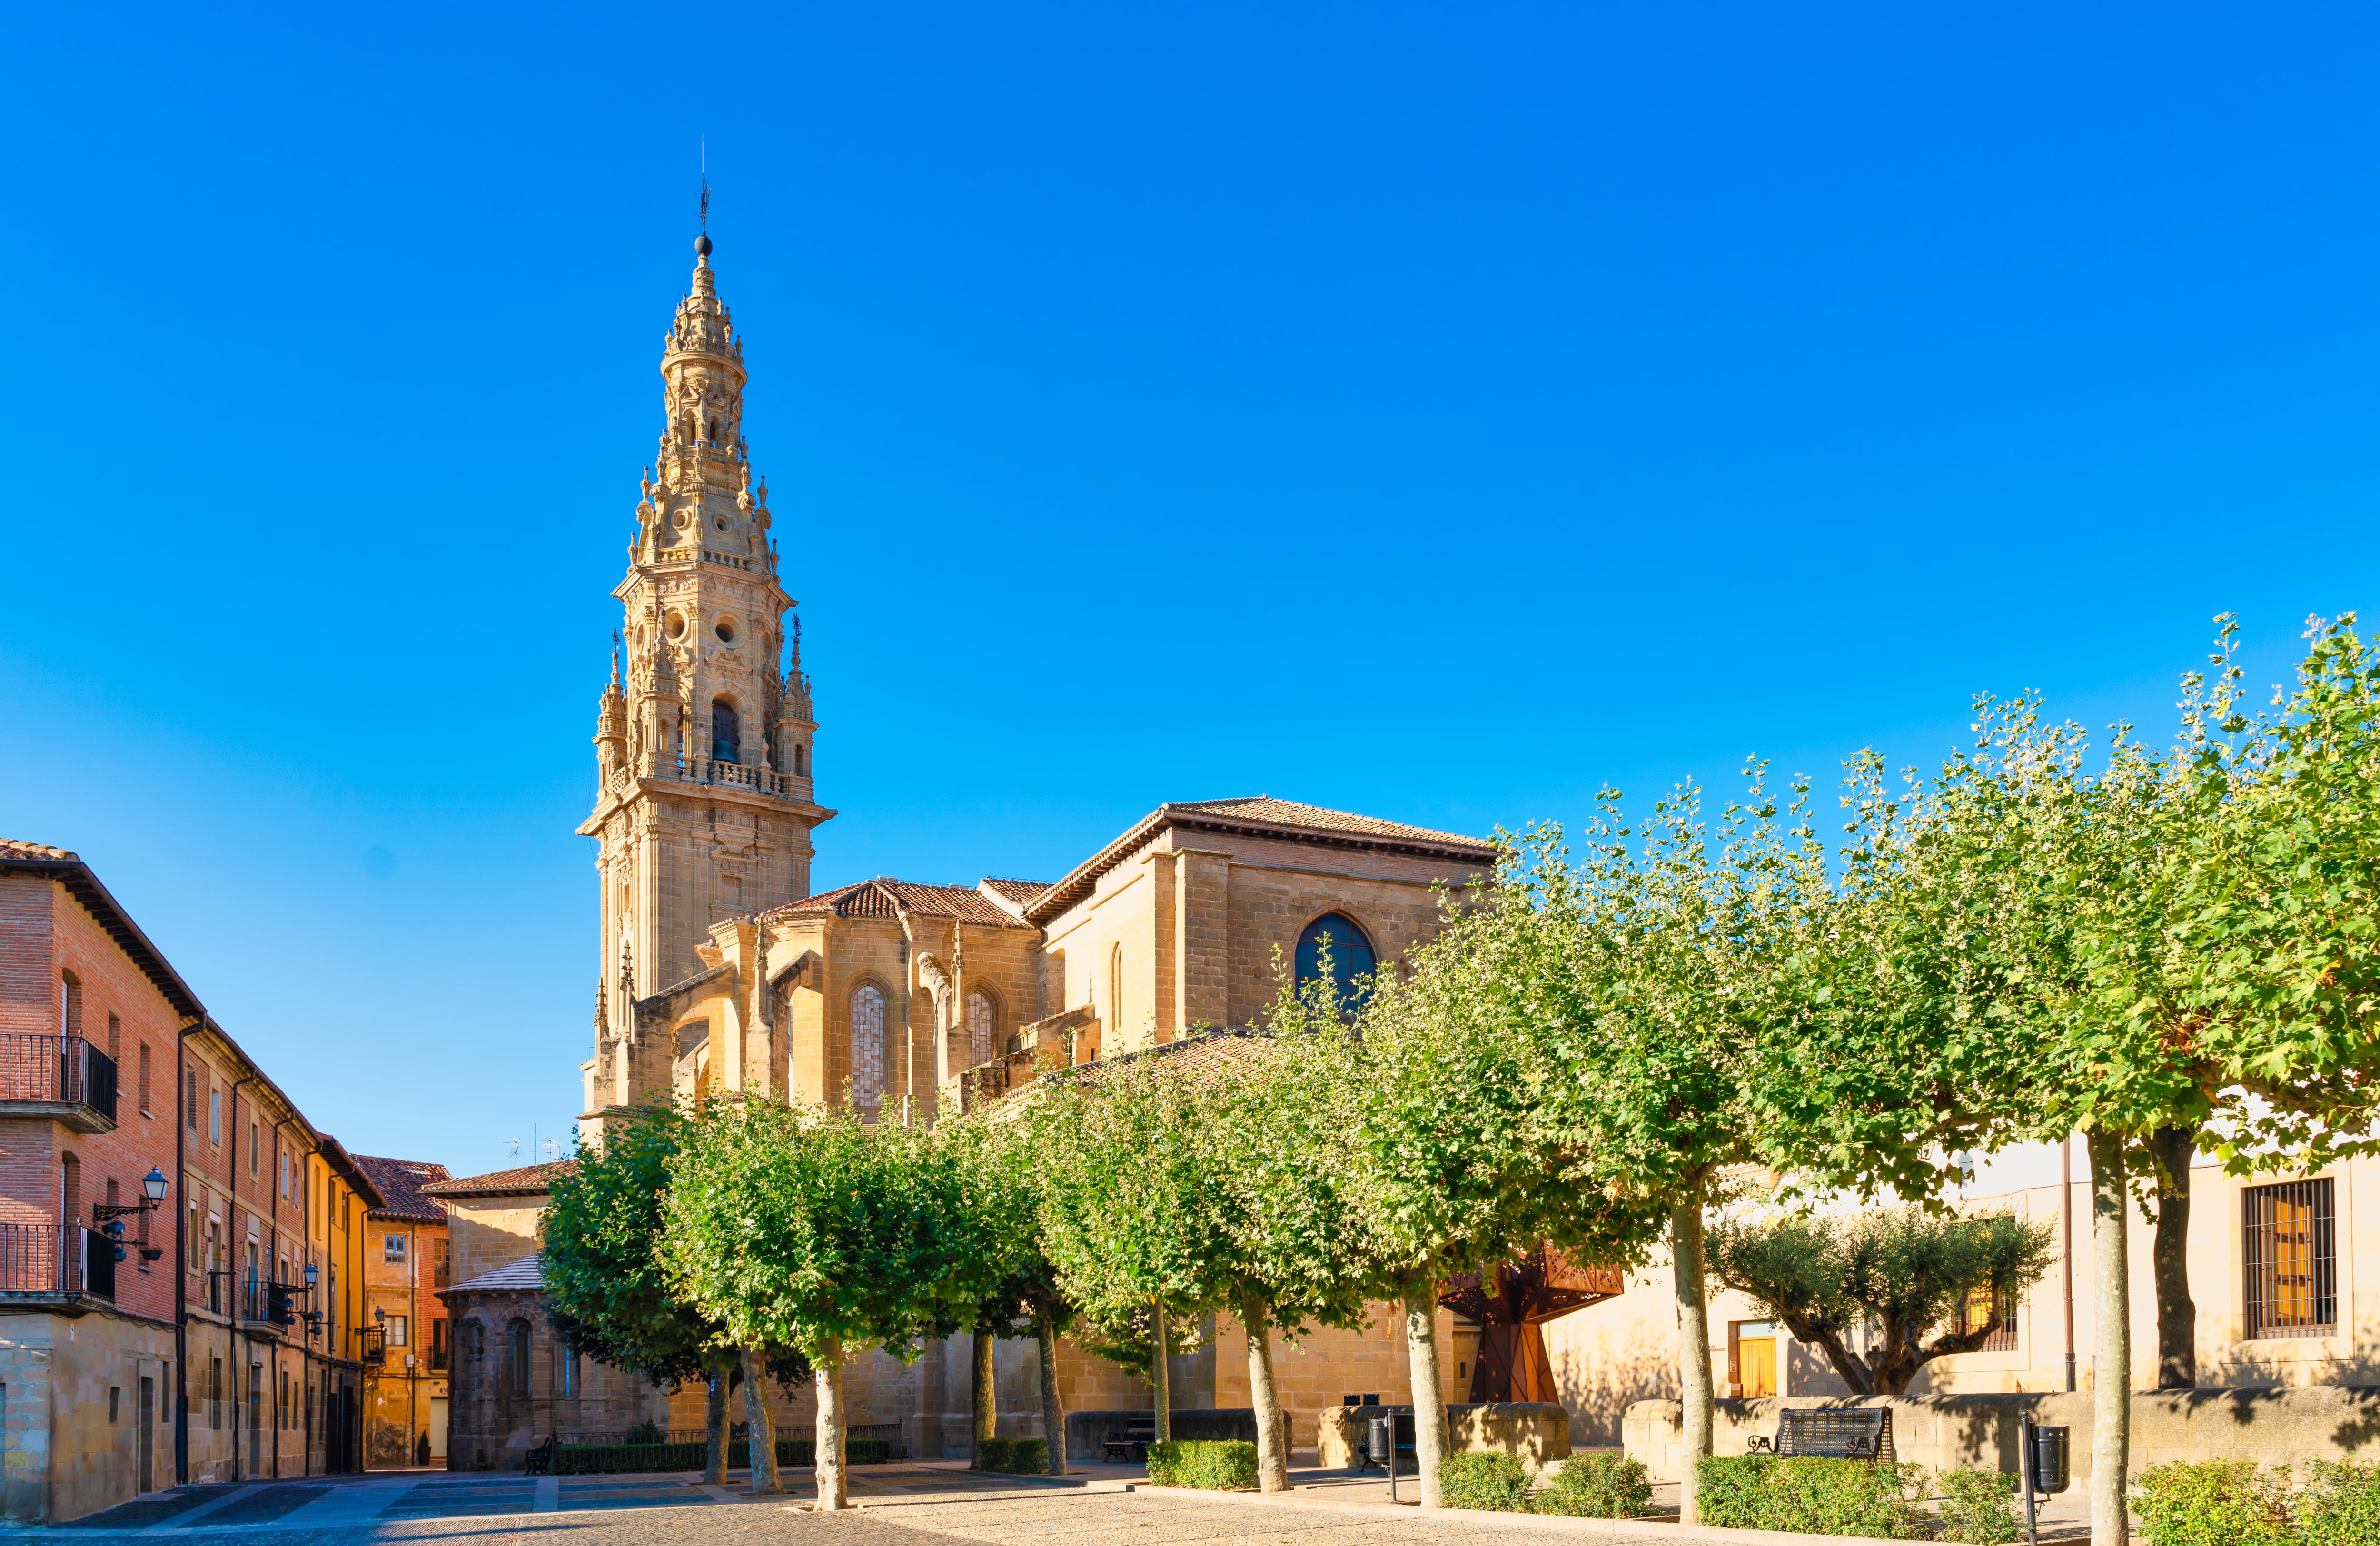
column 868, row 1048
column 724, row 730
column 517, row 1360
column 1349, row 951
column 979, row 1026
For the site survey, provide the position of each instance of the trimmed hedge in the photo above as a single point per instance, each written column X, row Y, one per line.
column 1597, row 1487
column 1213, row 1464
column 1013, row 1456
column 1818, row 1497
column 595, row 1459
column 2237, row 1502
column 601, row 1459
column 1496, row 1483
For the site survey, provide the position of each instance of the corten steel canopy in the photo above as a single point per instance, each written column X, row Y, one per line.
column 1543, row 1286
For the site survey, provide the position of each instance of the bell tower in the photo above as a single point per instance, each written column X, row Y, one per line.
column 704, row 781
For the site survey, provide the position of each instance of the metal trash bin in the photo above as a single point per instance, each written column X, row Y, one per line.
column 2050, row 1470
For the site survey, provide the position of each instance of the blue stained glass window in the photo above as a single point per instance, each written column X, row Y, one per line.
column 1350, row 952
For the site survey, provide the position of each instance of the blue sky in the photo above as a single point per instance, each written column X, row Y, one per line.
column 1431, row 412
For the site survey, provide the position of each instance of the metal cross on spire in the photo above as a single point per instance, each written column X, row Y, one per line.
column 702, row 156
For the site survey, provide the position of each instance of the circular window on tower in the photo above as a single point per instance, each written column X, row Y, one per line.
column 719, row 521
column 683, row 519
column 676, row 625
column 725, row 630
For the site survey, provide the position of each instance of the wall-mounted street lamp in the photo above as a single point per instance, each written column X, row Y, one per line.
column 111, row 1216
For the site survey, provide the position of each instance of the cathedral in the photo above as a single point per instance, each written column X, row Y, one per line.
column 718, row 967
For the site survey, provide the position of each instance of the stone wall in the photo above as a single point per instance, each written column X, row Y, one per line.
column 1538, row 1432
column 2303, row 1422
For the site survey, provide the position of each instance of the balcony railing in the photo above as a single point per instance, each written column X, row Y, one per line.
column 57, row 1070
column 52, row 1261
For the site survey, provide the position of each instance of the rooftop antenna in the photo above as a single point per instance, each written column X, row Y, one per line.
column 516, row 1143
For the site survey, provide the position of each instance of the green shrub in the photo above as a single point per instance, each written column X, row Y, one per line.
column 1597, row 1487
column 1496, row 1483
column 597, row 1459
column 647, row 1432
column 2216, row 1502
column 1213, row 1464
column 2340, row 1504
column 1819, row 1497
column 804, row 1452
column 1979, row 1506
column 1013, row 1456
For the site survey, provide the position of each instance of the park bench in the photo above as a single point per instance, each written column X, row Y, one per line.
column 1133, row 1444
column 1829, row 1433
column 541, row 1460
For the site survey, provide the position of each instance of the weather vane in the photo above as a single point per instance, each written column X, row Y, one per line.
column 702, row 152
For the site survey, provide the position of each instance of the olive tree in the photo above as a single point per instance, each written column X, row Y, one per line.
column 1900, row 1275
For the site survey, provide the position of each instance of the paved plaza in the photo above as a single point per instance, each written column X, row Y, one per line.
column 914, row 1502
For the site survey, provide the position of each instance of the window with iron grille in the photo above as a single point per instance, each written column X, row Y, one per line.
column 2292, row 1260
column 1995, row 1311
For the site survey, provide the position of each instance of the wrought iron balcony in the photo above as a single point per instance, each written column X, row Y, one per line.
column 57, row 1263
column 64, row 1078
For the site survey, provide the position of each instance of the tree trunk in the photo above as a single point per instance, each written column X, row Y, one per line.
column 1272, row 1433
column 1053, row 1417
column 1160, row 1382
column 1694, row 1347
column 983, row 1402
column 833, row 1485
column 2111, row 1360
column 1430, row 1440
column 759, row 1429
column 714, row 1423
column 2177, row 1316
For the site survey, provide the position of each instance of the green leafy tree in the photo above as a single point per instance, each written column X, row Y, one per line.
column 606, row 1293
column 808, row 1230
column 1453, row 1164
column 1903, row 1275
column 1646, row 982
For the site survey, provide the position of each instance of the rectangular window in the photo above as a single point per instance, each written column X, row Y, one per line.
column 285, row 1177
column 438, row 1263
column 215, row 1394
column 144, row 1079
column 190, row 1102
column 391, row 1247
column 1986, row 1309
column 190, row 1254
column 2292, row 1260
column 214, row 1117
column 255, row 1150
column 397, row 1331
column 437, row 1343
column 115, row 1036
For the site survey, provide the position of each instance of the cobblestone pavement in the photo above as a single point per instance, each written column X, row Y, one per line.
column 901, row 1506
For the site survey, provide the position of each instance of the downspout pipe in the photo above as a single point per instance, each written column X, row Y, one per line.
column 181, row 1394
column 238, row 1341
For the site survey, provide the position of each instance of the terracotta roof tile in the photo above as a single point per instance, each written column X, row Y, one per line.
column 11, row 848
column 1311, row 823
column 1270, row 812
column 526, row 1275
column 1016, row 891
column 523, row 1178
column 886, row 898
column 399, row 1183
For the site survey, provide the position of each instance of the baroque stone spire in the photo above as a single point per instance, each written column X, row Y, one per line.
column 704, row 798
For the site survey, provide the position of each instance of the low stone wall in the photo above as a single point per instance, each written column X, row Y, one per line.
column 1538, row 1432
column 1088, row 1432
column 2300, row 1423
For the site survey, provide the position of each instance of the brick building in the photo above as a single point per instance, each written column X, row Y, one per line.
column 403, row 1321
column 141, row 1344
column 717, row 968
